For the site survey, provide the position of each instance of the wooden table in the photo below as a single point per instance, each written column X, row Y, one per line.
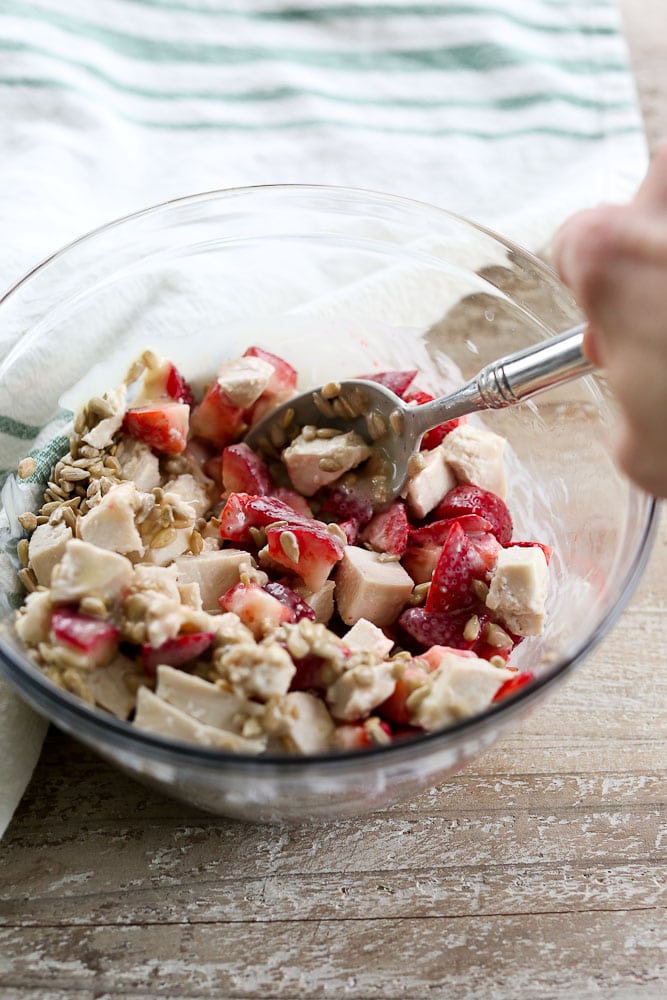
column 538, row 873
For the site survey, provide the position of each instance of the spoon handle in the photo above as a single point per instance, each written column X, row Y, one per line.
column 511, row 379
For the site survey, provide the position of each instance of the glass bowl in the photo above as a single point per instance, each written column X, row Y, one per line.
column 337, row 281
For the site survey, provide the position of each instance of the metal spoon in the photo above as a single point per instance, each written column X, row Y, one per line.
column 394, row 428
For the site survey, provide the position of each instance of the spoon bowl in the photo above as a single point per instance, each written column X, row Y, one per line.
column 394, row 428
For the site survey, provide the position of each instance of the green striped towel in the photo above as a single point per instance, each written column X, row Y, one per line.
column 512, row 112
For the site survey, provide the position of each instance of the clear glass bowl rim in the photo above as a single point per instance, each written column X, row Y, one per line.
column 27, row 678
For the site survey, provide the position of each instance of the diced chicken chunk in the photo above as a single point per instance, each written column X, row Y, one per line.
column 321, row 601
column 300, row 723
column 101, row 436
column 110, row 524
column 368, row 587
column 164, row 555
column 256, row 671
column 157, row 716
column 114, row 686
column 476, row 456
column 214, row 571
column 518, row 589
column 429, row 484
column 190, row 491
column 244, row 379
column 189, row 593
column 138, row 464
column 359, row 690
column 317, row 462
column 86, row 571
column 46, row 549
column 33, row 624
column 208, row 703
column 458, row 688
column 364, row 635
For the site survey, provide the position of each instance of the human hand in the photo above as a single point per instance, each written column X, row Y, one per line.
column 614, row 260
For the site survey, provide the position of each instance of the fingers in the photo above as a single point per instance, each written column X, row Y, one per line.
column 652, row 193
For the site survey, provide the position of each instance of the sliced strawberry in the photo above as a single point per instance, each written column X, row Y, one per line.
column 355, row 736
column 350, row 529
column 243, row 471
column 284, row 377
column 458, row 566
column 243, row 511
column 397, row 382
column 436, row 435
column 235, row 522
column 547, row 549
column 485, row 650
column 432, row 657
column 94, row 637
column 162, row 426
column 343, row 502
column 419, row 561
column 257, row 609
column 299, row 608
column 175, row 652
column 216, row 418
column 388, row 530
column 441, row 628
column 394, row 708
column 486, row 547
column 436, row 532
column 177, row 388
column 313, row 556
column 468, row 499
column 308, row 676
column 293, row 499
column 513, row 684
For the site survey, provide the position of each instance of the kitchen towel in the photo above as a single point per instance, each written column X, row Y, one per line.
column 514, row 113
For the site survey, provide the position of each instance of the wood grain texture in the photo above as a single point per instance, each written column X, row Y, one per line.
column 539, row 873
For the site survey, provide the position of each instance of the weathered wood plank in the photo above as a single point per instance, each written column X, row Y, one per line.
column 470, row 958
column 469, row 890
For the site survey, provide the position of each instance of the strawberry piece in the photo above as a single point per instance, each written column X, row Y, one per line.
column 394, row 708
column 441, row 628
column 397, row 382
column 436, row 532
column 436, row 435
column 513, row 684
column 243, row 471
column 457, row 567
column 355, row 736
column 216, row 418
column 388, row 530
column 547, row 549
column 162, row 426
column 294, row 500
column 299, row 608
column 94, row 637
column 257, row 609
column 235, row 523
column 485, row 650
column 308, row 676
column 243, row 511
column 175, row 652
column 468, row 499
column 350, row 528
column 177, row 388
column 343, row 502
column 284, row 376
column 419, row 561
column 486, row 549
column 313, row 557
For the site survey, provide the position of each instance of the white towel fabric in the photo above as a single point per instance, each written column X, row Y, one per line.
column 514, row 113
